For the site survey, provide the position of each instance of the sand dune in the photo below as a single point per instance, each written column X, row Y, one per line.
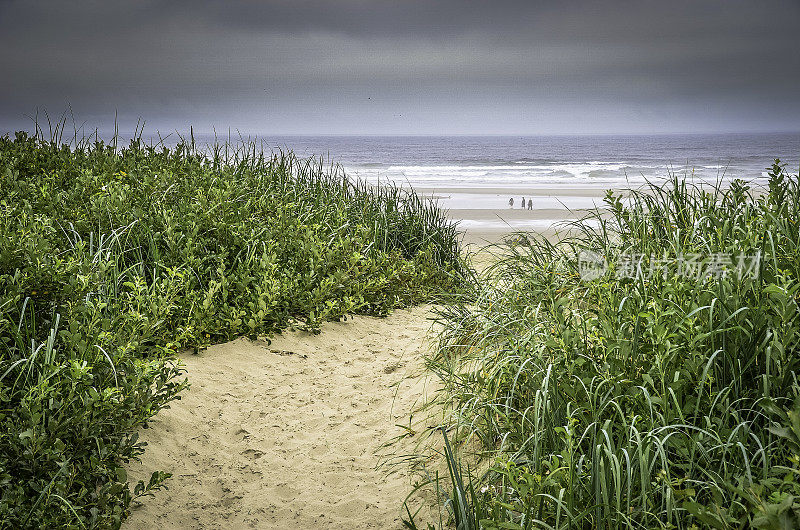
column 289, row 434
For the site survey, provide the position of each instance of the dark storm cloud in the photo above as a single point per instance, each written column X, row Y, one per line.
column 366, row 66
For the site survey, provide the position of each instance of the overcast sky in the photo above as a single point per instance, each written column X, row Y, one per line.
column 405, row 66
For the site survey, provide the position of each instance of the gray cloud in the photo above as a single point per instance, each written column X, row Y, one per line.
column 417, row 66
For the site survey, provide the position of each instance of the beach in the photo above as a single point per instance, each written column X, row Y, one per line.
column 399, row 265
column 294, row 406
column 485, row 217
column 240, row 313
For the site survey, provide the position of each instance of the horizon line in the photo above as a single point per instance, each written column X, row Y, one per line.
column 245, row 135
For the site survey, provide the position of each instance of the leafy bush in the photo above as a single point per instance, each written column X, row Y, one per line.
column 645, row 396
column 111, row 260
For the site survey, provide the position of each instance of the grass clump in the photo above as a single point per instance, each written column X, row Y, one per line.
column 111, row 260
column 662, row 394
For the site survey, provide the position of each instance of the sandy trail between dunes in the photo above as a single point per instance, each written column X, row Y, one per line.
column 289, row 434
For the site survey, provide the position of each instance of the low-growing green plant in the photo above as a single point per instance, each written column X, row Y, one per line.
column 113, row 259
column 660, row 392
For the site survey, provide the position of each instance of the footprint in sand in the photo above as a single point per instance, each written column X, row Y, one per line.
column 263, row 449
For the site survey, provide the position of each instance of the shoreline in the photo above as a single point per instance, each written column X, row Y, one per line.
column 486, row 217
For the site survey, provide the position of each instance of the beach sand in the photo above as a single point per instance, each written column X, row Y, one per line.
column 485, row 217
column 291, row 434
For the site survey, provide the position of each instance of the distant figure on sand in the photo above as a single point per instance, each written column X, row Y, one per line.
column 530, row 204
column 511, row 202
column 523, row 203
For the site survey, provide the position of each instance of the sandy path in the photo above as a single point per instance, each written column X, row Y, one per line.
column 265, row 438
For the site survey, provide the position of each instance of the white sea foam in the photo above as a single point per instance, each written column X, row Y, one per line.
column 592, row 174
column 600, row 174
column 521, row 224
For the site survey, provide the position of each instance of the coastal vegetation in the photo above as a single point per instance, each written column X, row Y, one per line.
column 640, row 373
column 114, row 258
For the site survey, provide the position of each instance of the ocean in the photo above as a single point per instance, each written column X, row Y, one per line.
column 548, row 161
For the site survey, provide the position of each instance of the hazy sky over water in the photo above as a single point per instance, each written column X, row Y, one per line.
column 405, row 67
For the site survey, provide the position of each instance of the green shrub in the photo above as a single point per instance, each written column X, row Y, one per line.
column 644, row 397
column 111, row 260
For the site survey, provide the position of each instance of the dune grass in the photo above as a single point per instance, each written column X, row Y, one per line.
column 112, row 259
column 659, row 391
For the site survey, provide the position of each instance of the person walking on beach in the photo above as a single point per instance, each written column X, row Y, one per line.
column 511, row 202
column 530, row 204
column 523, row 203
